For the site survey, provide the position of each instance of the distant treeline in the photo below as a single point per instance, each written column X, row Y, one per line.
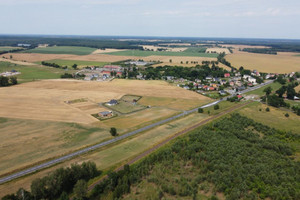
column 260, row 50
column 68, row 41
column 11, row 51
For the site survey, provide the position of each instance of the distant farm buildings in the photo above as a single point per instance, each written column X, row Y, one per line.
column 105, row 114
column 112, row 102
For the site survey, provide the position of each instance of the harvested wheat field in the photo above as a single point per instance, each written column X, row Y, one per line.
column 36, row 57
column 281, row 63
column 45, row 100
column 297, row 89
column 218, row 50
column 102, row 58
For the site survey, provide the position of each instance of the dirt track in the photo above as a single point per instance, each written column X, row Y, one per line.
column 146, row 153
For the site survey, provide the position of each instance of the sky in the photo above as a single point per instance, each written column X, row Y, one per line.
column 178, row 18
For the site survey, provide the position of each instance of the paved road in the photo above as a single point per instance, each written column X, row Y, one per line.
column 102, row 144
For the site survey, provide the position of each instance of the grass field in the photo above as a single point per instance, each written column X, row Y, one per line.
column 275, row 86
column 275, row 118
column 31, row 73
column 80, row 63
column 281, row 63
column 24, row 142
column 195, row 50
column 62, row 50
column 161, row 53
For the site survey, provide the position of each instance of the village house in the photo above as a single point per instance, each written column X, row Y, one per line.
column 112, row 102
column 105, row 114
column 226, row 75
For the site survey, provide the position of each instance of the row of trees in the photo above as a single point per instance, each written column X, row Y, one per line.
column 53, row 65
column 59, row 183
column 5, row 81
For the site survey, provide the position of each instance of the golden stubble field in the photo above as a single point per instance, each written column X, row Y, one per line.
column 36, row 124
column 45, row 100
column 281, row 63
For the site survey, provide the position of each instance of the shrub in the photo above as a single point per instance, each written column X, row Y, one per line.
column 268, row 109
column 287, row 114
column 113, row 131
column 216, row 107
column 200, row 110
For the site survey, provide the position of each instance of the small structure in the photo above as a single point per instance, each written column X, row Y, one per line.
column 222, row 92
column 105, row 114
column 112, row 102
column 226, row 75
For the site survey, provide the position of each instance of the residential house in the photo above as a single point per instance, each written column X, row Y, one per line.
column 105, row 114
column 112, row 102
column 227, row 75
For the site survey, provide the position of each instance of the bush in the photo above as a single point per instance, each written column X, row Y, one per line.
column 287, row 114
column 268, row 109
column 200, row 110
column 113, row 131
column 216, row 107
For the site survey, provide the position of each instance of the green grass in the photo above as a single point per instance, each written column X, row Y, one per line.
column 82, row 63
column 195, row 50
column 62, row 50
column 31, row 73
column 293, row 103
column 160, row 53
column 275, row 118
column 275, row 86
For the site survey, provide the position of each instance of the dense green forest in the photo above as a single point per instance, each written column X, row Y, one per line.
column 234, row 156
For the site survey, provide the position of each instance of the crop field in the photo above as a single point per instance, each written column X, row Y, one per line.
column 281, row 63
column 32, row 100
column 275, row 118
column 178, row 60
column 99, row 51
column 63, row 50
column 24, row 142
column 35, row 57
column 31, row 73
column 238, row 46
column 161, row 53
column 80, row 63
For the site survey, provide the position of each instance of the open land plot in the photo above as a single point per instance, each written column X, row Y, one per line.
column 218, row 50
column 275, row 86
column 281, row 63
column 63, row 50
column 161, row 53
column 8, row 48
column 35, row 57
column 275, row 118
column 110, row 157
column 31, row 73
column 99, row 51
column 176, row 60
column 102, row 58
column 45, row 100
column 175, row 44
column 24, row 142
column 80, row 63
column 297, row 89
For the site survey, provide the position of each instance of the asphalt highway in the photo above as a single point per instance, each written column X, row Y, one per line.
column 102, row 144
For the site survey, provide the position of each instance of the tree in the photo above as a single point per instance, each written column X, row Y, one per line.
column 216, row 107
column 74, row 66
column 290, row 92
column 268, row 109
column 281, row 91
column 268, row 90
column 170, row 60
column 80, row 189
column 3, row 81
column 287, row 114
column 13, row 80
column 200, row 110
column 113, row 131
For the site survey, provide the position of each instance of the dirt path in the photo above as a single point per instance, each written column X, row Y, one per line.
column 146, row 153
